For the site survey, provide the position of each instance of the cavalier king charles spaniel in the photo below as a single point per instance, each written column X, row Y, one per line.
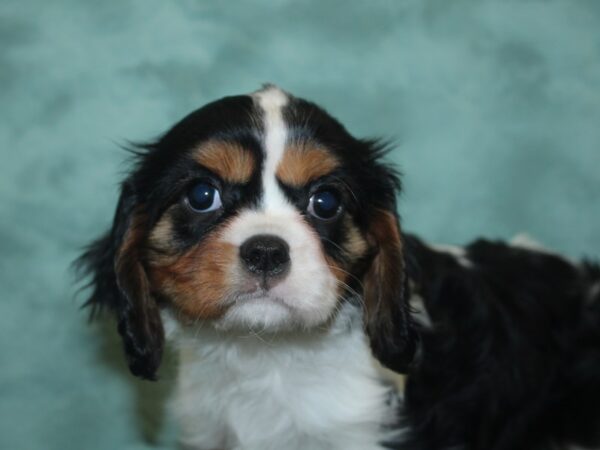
column 260, row 239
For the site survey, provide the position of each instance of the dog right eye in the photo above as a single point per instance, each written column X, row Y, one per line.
column 203, row 197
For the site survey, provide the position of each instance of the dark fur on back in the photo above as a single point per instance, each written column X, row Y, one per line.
column 512, row 359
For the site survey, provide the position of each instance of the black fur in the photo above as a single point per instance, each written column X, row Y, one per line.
column 512, row 359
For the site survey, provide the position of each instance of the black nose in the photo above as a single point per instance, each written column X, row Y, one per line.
column 265, row 254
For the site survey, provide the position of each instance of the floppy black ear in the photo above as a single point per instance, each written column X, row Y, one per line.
column 387, row 315
column 120, row 283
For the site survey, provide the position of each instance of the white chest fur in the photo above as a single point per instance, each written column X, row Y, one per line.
column 317, row 390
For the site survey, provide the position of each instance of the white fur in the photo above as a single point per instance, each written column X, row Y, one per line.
column 458, row 252
column 317, row 390
column 271, row 100
column 419, row 311
column 527, row 242
column 593, row 292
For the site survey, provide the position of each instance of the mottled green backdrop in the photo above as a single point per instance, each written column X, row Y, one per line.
column 494, row 105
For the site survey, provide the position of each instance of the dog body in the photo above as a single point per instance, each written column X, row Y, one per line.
column 261, row 240
column 509, row 355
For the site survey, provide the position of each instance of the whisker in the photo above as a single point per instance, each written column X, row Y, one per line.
column 348, row 288
column 257, row 334
column 354, row 277
column 347, row 187
column 334, row 244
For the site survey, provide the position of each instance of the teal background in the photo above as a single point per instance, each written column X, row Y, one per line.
column 494, row 106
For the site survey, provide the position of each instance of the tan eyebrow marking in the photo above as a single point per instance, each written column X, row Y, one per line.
column 301, row 164
column 232, row 162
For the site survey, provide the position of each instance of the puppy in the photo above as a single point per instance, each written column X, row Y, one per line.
column 261, row 240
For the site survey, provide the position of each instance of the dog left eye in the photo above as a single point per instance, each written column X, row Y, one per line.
column 203, row 198
column 325, row 204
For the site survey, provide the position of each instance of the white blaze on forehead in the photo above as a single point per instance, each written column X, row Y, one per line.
column 272, row 100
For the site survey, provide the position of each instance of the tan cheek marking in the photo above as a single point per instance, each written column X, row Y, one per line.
column 340, row 274
column 197, row 282
column 303, row 163
column 160, row 239
column 355, row 247
column 230, row 161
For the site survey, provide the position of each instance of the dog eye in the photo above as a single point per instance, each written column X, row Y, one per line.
column 325, row 204
column 203, row 197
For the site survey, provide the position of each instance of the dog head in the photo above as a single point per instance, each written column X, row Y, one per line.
column 254, row 212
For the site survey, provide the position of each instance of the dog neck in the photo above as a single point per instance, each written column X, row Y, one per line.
column 318, row 389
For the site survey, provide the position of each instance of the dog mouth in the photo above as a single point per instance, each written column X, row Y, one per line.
column 259, row 295
column 259, row 309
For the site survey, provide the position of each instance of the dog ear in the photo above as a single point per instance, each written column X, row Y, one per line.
column 120, row 283
column 387, row 315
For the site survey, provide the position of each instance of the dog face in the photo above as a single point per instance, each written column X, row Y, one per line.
column 256, row 212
